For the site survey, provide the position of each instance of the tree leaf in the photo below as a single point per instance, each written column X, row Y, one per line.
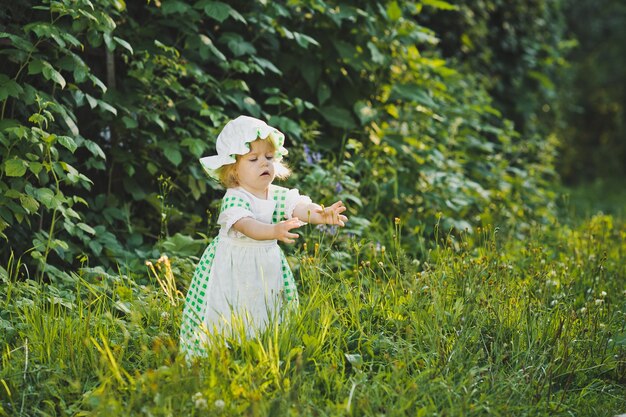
column 50, row 73
column 68, row 143
column 439, row 4
column 46, row 197
column 124, row 44
column 338, row 117
column 8, row 87
column 93, row 102
column 106, row 106
column 215, row 9
column 15, row 167
column 29, row 203
column 86, row 228
column 394, row 12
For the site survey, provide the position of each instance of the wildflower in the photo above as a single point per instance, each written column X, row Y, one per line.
column 599, row 301
column 603, row 294
column 220, row 404
column 338, row 187
column 311, row 157
column 583, row 310
column 199, row 401
column 381, row 264
column 396, row 220
column 307, row 155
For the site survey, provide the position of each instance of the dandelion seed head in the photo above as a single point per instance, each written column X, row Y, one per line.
column 219, row 404
column 599, row 301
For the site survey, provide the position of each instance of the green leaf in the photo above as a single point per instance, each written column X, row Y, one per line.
column 338, row 117
column 35, row 167
column 35, row 67
column 172, row 153
column 265, row 64
column 323, row 93
column 8, row 87
column 439, row 4
column 206, row 41
column 377, row 57
column 129, row 123
column 174, row 6
column 124, row 44
column 215, row 9
column 29, row 203
column 305, row 40
column 93, row 102
column 414, row 93
column 106, row 106
column 68, row 143
column 50, row 73
column 86, row 228
column 46, row 197
column 237, row 44
column 15, row 167
column 196, row 146
column 97, row 82
column 19, row 42
column 95, row 149
column 394, row 12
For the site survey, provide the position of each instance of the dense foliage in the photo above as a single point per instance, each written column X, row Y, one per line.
column 106, row 107
column 595, row 92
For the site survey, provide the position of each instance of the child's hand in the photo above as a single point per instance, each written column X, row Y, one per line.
column 283, row 230
column 332, row 215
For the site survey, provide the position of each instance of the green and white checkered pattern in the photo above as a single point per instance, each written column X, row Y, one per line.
column 191, row 327
column 280, row 196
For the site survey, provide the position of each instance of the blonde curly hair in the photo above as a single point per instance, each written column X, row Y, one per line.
column 227, row 174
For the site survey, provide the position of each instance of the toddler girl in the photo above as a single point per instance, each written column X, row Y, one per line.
column 243, row 278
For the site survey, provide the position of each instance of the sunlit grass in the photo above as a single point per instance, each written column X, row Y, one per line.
column 483, row 325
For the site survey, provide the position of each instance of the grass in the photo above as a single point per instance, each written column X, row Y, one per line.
column 482, row 325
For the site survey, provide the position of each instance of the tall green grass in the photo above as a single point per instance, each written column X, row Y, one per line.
column 484, row 324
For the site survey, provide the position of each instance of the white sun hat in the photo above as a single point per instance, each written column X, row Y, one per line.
column 235, row 139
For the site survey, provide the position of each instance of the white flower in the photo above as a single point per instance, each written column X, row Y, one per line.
column 219, row 404
column 603, row 294
column 599, row 301
column 199, row 401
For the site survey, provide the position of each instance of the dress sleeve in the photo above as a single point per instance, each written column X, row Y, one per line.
column 235, row 206
column 293, row 198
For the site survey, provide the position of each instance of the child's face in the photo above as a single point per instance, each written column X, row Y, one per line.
column 255, row 170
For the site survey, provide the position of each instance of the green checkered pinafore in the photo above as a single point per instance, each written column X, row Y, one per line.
column 193, row 331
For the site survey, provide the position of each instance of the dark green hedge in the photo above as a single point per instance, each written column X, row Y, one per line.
column 107, row 106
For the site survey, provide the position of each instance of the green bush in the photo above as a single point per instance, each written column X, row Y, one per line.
column 107, row 107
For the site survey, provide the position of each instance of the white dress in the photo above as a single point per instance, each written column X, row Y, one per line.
column 240, row 284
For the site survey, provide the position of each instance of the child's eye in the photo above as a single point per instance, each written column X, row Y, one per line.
column 269, row 156
column 253, row 159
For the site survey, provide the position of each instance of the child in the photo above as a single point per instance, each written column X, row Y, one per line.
column 243, row 276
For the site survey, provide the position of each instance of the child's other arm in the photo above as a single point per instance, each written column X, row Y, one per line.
column 314, row 213
column 257, row 230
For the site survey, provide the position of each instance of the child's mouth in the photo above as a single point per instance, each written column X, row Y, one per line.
column 265, row 173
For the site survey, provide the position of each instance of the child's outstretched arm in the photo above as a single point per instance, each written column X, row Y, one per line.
column 257, row 230
column 316, row 214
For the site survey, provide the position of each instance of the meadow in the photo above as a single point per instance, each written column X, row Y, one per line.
column 488, row 323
